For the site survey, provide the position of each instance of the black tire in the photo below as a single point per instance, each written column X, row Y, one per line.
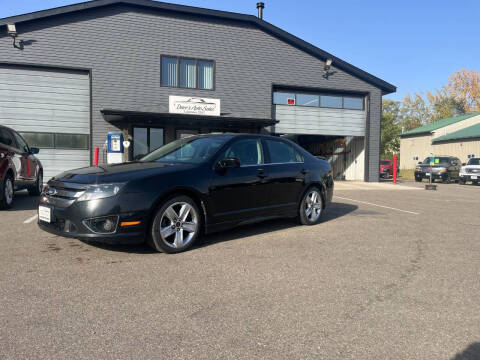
column 316, row 206
column 446, row 179
column 37, row 188
column 175, row 226
column 418, row 179
column 6, row 199
column 461, row 182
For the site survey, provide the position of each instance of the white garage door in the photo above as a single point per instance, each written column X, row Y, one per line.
column 51, row 109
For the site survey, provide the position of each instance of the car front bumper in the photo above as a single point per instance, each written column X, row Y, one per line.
column 469, row 177
column 423, row 175
column 69, row 221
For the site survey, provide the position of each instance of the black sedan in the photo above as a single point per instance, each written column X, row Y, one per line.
column 197, row 185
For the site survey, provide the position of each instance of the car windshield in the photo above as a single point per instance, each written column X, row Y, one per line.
column 188, row 150
column 384, row 162
column 474, row 161
column 438, row 160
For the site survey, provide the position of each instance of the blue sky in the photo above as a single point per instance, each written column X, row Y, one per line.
column 413, row 44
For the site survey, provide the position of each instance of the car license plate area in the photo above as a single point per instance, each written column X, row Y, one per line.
column 474, row 177
column 45, row 214
column 427, row 174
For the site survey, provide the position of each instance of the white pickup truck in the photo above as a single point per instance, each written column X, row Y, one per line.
column 470, row 171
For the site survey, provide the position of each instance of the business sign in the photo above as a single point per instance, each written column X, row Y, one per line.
column 193, row 105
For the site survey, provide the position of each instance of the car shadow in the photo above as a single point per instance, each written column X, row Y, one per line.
column 472, row 352
column 334, row 211
column 23, row 201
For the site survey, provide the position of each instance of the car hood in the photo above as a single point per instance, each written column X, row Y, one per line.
column 120, row 172
column 433, row 166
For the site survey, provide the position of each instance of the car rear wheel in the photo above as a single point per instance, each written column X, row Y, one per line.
column 311, row 207
column 7, row 192
column 446, row 179
column 176, row 225
column 36, row 189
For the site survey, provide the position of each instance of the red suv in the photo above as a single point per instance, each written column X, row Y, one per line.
column 19, row 168
column 386, row 168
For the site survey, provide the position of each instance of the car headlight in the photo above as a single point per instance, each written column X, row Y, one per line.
column 101, row 191
column 418, row 168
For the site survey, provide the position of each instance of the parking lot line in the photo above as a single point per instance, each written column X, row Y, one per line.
column 382, row 206
column 29, row 220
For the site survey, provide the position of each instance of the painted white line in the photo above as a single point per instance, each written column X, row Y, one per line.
column 29, row 220
column 382, row 206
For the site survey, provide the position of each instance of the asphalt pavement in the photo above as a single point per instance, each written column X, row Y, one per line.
column 392, row 272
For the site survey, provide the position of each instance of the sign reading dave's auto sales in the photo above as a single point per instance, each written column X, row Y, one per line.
column 193, row 105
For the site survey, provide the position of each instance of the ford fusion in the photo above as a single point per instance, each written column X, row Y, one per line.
column 191, row 186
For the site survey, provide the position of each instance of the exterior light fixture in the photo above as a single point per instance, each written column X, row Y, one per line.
column 326, row 68
column 328, row 63
column 12, row 32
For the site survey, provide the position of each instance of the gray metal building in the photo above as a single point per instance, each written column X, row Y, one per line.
column 158, row 71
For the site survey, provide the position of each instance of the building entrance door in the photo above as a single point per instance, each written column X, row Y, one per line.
column 146, row 139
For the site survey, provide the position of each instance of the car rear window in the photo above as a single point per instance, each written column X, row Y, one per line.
column 384, row 162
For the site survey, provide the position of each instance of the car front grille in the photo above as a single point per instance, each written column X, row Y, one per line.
column 62, row 193
column 473, row 171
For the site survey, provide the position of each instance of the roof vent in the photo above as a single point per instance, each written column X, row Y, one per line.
column 260, row 7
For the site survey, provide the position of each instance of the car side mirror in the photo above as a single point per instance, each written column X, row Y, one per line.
column 34, row 150
column 228, row 163
column 463, row 164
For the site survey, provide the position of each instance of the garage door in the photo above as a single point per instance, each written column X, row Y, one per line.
column 51, row 109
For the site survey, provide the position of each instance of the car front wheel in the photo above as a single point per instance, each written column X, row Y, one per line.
column 176, row 225
column 311, row 207
column 6, row 188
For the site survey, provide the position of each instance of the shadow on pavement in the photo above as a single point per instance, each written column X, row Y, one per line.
column 23, row 201
column 472, row 352
column 336, row 210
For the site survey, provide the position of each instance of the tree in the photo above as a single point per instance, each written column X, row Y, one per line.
column 414, row 112
column 391, row 128
column 444, row 105
column 464, row 86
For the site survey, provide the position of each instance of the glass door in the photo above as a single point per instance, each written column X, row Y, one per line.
column 145, row 140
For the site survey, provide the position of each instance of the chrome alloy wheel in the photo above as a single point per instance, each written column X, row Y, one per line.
column 178, row 225
column 8, row 191
column 313, row 205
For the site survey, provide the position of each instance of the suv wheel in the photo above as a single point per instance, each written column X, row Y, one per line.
column 36, row 189
column 311, row 207
column 7, row 192
column 176, row 225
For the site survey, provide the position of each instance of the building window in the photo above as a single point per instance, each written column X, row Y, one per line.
column 187, row 73
column 353, row 103
column 319, row 100
column 145, row 140
column 331, row 102
column 57, row 140
column 281, row 98
column 307, row 100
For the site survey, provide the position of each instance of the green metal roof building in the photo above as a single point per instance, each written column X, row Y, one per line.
column 457, row 136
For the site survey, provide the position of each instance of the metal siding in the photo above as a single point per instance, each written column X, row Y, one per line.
column 460, row 148
column 122, row 45
column 314, row 120
column 46, row 100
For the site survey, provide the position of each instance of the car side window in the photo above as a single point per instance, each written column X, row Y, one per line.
column 281, row 152
column 6, row 138
column 248, row 151
column 22, row 145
